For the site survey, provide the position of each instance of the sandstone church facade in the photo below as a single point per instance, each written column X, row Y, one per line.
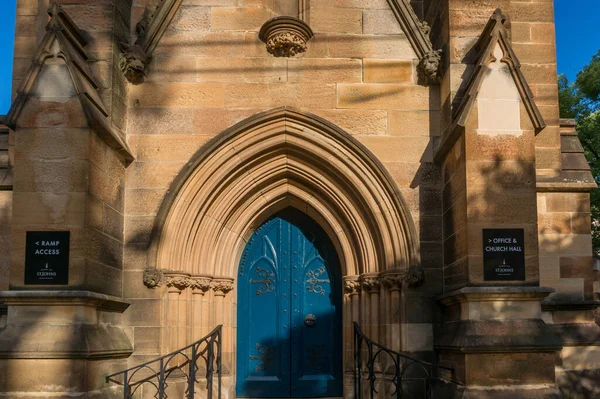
column 285, row 168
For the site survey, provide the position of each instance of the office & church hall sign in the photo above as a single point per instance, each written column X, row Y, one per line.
column 47, row 257
column 503, row 254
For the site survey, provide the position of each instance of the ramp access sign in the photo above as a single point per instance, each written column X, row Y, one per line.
column 47, row 257
column 503, row 254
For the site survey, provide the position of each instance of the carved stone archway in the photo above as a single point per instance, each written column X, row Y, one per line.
column 273, row 160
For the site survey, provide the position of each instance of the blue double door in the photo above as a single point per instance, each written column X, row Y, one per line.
column 289, row 341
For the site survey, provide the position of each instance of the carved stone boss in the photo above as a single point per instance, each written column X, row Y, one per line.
column 417, row 32
column 285, row 36
column 135, row 58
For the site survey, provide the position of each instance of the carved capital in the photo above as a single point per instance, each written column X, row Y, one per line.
column 200, row 284
column 351, row 287
column 178, row 282
column 221, row 287
column 393, row 282
column 153, row 278
column 370, row 283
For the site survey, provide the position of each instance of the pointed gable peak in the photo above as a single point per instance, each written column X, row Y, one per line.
column 65, row 41
column 494, row 50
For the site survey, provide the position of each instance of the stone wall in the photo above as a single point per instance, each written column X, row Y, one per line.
column 533, row 38
column 6, row 184
column 210, row 71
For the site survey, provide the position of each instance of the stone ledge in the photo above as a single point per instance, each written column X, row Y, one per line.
column 103, row 302
column 469, row 294
column 549, row 305
column 579, row 184
column 66, row 341
column 577, row 334
column 497, row 336
column 514, row 392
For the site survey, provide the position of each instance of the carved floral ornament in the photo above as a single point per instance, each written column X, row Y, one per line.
column 285, row 36
column 154, row 278
column 392, row 280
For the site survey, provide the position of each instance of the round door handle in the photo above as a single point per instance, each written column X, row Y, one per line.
column 310, row 320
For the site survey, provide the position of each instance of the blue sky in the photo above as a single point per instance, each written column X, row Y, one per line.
column 7, row 36
column 577, row 34
column 577, row 37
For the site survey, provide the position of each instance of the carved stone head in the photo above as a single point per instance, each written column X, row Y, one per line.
column 153, row 278
column 133, row 63
column 430, row 63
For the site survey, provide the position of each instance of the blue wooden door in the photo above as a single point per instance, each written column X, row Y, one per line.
column 289, row 340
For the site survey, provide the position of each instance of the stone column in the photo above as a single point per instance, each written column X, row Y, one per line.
column 393, row 284
column 175, row 315
column 351, row 312
column 199, row 285
column 221, row 287
column 371, row 284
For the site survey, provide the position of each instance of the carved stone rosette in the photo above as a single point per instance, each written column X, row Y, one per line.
column 285, row 36
column 221, row 286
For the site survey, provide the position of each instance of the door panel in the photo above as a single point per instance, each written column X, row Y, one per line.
column 317, row 369
column 263, row 357
column 289, row 271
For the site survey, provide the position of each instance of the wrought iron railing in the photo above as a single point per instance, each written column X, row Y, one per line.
column 376, row 363
column 184, row 365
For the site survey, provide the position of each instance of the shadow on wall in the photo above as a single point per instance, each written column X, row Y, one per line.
column 579, row 384
column 46, row 374
column 5, row 238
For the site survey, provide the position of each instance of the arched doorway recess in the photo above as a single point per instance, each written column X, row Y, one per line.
column 274, row 160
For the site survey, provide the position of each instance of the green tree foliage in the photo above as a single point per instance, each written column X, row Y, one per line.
column 581, row 100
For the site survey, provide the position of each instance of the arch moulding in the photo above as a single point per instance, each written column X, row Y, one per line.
column 272, row 160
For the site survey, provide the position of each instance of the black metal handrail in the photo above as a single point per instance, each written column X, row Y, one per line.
column 398, row 364
column 156, row 372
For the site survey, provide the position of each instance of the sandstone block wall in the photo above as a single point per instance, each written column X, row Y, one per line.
column 6, row 164
column 456, row 26
column 67, row 178
column 211, row 71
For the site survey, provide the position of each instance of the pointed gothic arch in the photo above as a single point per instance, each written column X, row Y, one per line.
column 274, row 160
column 279, row 158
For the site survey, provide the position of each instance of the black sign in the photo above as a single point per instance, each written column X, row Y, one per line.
column 503, row 254
column 47, row 257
